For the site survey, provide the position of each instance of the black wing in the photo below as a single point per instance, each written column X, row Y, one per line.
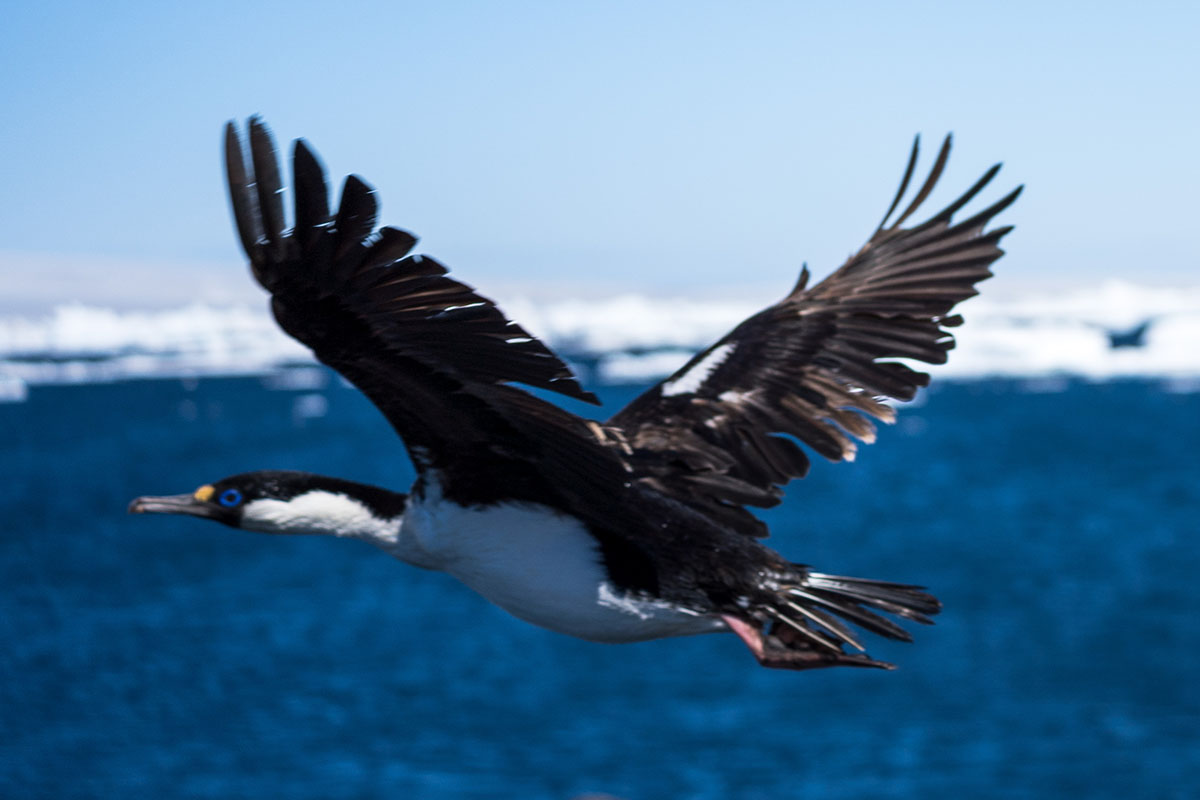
column 718, row 434
column 430, row 352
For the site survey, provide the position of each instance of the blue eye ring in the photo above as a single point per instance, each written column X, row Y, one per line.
column 230, row 498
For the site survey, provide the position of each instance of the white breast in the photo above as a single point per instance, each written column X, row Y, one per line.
column 538, row 565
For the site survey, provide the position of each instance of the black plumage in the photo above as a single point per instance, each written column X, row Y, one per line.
column 663, row 485
column 816, row 365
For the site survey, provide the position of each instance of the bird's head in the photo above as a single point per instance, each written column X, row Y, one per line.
column 278, row 501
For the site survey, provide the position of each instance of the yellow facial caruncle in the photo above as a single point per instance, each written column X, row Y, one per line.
column 203, row 494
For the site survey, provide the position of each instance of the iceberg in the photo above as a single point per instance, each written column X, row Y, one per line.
column 621, row 339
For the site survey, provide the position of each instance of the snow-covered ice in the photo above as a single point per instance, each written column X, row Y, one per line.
column 627, row 338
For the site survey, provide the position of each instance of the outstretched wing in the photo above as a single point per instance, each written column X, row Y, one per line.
column 430, row 352
column 719, row 433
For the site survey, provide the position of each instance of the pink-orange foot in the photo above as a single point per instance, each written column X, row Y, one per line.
column 776, row 653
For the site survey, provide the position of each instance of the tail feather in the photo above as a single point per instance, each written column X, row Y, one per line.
column 848, row 608
column 811, row 634
column 915, row 603
column 812, row 612
column 830, row 622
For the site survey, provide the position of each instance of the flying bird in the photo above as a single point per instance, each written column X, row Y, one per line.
column 634, row 528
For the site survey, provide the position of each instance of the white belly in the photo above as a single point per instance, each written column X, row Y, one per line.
column 537, row 565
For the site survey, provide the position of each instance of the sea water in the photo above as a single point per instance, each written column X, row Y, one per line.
column 172, row 657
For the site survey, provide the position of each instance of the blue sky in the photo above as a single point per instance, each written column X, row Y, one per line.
column 671, row 148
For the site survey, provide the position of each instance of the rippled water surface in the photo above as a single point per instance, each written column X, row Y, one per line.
column 177, row 658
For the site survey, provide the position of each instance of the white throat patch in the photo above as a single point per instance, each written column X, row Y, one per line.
column 319, row 512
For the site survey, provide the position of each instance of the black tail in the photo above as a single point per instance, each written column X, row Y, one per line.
column 811, row 614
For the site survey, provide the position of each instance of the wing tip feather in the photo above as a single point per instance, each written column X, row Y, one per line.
column 246, row 215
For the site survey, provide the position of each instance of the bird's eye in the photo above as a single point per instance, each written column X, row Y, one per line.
column 230, row 498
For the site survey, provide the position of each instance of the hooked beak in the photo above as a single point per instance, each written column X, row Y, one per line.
column 174, row 504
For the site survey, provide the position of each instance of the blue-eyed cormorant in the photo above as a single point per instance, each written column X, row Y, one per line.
column 631, row 529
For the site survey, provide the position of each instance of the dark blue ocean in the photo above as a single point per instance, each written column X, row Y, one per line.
column 165, row 657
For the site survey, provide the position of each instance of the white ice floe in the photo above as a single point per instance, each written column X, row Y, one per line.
column 83, row 344
column 13, row 390
column 629, row 321
column 1067, row 333
column 623, row 339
